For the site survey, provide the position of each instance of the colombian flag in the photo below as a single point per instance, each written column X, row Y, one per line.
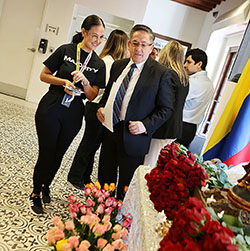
column 230, row 141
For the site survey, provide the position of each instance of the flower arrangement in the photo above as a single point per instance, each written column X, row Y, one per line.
column 94, row 226
column 216, row 172
column 193, row 229
column 174, row 178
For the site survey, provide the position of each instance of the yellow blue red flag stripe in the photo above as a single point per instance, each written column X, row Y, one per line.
column 230, row 140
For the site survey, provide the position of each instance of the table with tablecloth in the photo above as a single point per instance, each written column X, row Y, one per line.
column 142, row 235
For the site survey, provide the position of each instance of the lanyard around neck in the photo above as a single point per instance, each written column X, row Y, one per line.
column 78, row 57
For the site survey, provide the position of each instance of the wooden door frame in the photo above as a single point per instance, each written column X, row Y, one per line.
column 230, row 55
column 187, row 44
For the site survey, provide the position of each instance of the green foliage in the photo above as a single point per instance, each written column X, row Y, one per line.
column 217, row 175
column 212, row 213
column 232, row 221
column 241, row 231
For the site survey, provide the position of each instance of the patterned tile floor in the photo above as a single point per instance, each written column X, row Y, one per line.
column 19, row 229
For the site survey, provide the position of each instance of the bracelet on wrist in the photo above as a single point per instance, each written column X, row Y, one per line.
column 85, row 84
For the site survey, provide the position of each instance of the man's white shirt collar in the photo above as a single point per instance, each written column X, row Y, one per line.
column 198, row 74
column 139, row 66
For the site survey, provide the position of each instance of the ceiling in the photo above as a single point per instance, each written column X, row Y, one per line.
column 205, row 5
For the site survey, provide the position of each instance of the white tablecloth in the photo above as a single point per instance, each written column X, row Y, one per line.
column 142, row 235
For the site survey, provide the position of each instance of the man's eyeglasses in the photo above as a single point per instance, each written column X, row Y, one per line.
column 137, row 44
column 96, row 37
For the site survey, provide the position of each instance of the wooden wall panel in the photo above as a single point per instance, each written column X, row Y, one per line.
column 205, row 5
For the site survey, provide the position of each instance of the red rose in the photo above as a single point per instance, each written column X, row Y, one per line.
column 194, row 215
column 191, row 156
column 171, row 182
column 194, row 202
column 186, row 159
column 172, row 164
column 168, row 245
column 191, row 245
column 189, row 231
column 181, row 187
column 215, row 227
column 186, row 167
column 217, row 241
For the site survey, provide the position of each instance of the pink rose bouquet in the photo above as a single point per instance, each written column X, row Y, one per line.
column 95, row 224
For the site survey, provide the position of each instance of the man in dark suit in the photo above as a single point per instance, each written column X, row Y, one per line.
column 144, row 103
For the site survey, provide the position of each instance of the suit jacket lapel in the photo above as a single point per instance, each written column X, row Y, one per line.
column 119, row 68
column 145, row 74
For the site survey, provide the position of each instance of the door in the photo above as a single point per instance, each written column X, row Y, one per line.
column 219, row 88
column 20, row 22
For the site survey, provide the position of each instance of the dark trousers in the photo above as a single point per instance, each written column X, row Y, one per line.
column 112, row 156
column 56, row 128
column 83, row 162
column 188, row 134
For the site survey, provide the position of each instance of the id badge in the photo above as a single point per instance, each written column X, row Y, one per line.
column 66, row 100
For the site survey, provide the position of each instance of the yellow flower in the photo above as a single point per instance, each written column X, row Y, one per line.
column 90, row 185
column 106, row 187
column 59, row 244
column 98, row 185
column 112, row 187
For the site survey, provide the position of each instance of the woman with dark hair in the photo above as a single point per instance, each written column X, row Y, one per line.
column 114, row 49
column 171, row 56
column 74, row 72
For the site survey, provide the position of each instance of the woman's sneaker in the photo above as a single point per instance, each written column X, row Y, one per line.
column 77, row 186
column 36, row 204
column 46, row 195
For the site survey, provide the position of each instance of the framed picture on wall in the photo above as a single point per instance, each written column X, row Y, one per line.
column 161, row 41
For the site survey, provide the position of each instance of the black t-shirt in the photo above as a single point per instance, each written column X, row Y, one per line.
column 63, row 61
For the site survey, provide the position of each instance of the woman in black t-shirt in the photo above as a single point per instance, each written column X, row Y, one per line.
column 115, row 48
column 59, row 115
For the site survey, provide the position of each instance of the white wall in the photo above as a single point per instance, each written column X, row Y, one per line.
column 175, row 20
column 222, row 40
column 209, row 25
column 17, row 35
column 1, row 7
column 129, row 9
column 220, row 36
column 185, row 23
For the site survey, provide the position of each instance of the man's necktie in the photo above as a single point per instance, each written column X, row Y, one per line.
column 120, row 95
